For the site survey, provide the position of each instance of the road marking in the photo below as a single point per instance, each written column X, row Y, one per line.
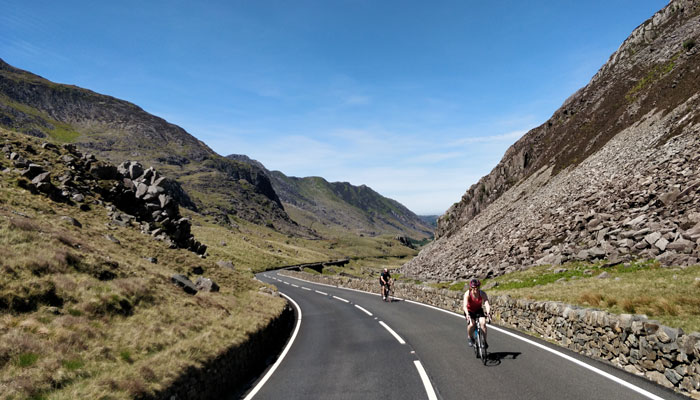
column 584, row 365
column 365, row 311
column 426, row 381
column 555, row 352
column 305, row 288
column 281, row 357
column 341, row 299
column 286, row 283
column 319, row 292
column 396, row 335
column 293, row 285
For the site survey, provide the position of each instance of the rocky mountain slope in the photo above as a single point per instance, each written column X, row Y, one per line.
column 324, row 206
column 118, row 131
column 613, row 174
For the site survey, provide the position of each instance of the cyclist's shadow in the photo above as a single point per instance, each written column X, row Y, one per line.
column 495, row 359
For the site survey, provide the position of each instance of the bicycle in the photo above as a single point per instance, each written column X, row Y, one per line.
column 387, row 292
column 480, row 344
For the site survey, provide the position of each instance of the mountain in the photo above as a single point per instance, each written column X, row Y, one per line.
column 430, row 220
column 611, row 175
column 340, row 206
column 117, row 131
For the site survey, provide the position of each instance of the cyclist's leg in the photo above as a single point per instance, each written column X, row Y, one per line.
column 482, row 322
column 470, row 328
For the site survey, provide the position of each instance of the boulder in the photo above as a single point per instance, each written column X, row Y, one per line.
column 652, row 238
column 206, row 285
column 44, row 177
column 32, row 171
column 185, row 283
column 72, row 221
column 225, row 264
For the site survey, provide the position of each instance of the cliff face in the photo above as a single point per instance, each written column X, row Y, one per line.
column 117, row 131
column 327, row 205
column 639, row 105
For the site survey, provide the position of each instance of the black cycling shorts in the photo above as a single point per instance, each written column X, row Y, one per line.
column 474, row 316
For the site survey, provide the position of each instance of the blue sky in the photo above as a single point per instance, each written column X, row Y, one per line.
column 416, row 99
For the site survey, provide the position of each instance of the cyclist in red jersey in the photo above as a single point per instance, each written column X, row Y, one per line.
column 476, row 307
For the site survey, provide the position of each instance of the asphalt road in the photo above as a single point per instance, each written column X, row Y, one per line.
column 342, row 352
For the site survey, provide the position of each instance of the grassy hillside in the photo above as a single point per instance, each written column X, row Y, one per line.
column 88, row 309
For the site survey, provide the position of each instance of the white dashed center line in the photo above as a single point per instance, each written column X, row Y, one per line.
column 365, row 311
column 396, row 335
column 341, row 299
column 426, row 381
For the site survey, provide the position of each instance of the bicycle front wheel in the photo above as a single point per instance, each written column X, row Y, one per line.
column 482, row 349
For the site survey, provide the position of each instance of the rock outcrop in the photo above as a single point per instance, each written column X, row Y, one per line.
column 612, row 175
column 132, row 195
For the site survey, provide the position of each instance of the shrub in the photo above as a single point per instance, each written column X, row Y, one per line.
column 688, row 44
column 27, row 359
column 73, row 365
column 125, row 355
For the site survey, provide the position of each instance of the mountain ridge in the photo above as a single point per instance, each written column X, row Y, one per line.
column 118, row 131
column 341, row 205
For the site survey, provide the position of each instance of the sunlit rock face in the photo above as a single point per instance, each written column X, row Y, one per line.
column 613, row 174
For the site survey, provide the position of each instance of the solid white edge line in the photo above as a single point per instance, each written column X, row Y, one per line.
column 584, row 365
column 281, row 357
column 426, row 381
column 319, row 292
column 365, row 311
column 553, row 351
column 396, row 335
column 341, row 299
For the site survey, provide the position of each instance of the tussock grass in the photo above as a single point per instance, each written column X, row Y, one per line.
column 590, row 298
column 83, row 317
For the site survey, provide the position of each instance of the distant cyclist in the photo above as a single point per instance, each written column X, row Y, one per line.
column 385, row 282
column 476, row 307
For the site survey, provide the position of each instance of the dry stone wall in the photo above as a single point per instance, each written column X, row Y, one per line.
column 634, row 343
column 230, row 374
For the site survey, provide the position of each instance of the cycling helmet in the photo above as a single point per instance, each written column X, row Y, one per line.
column 475, row 283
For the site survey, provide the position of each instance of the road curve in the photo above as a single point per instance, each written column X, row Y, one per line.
column 352, row 345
